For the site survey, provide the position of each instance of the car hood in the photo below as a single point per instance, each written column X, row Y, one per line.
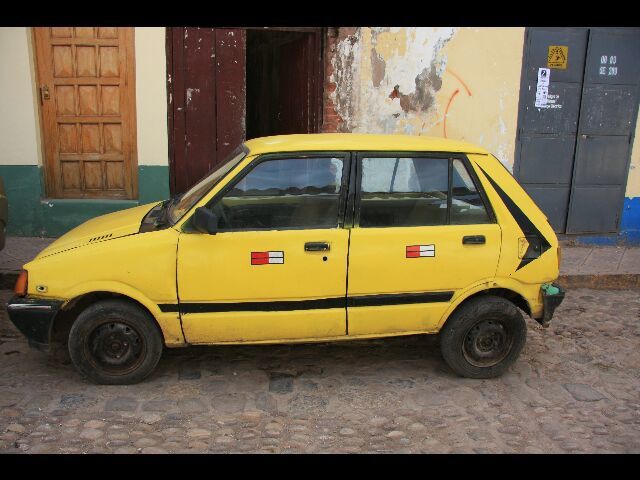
column 100, row 229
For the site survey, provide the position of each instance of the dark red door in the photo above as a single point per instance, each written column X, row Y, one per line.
column 206, row 82
column 228, row 84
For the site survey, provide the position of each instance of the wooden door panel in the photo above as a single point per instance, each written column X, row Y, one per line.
column 230, row 88
column 206, row 68
column 88, row 118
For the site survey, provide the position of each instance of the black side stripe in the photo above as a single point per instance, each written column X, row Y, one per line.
column 324, row 303
column 526, row 225
column 398, row 299
column 279, row 306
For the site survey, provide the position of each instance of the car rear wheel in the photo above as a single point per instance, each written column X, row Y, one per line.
column 115, row 342
column 483, row 337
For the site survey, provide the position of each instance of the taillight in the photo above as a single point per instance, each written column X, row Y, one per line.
column 21, row 284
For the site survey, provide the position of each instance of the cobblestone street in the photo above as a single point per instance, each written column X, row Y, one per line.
column 575, row 388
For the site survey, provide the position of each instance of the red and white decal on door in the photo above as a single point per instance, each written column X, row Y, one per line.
column 416, row 251
column 264, row 258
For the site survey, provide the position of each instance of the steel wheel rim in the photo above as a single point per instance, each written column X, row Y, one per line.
column 487, row 343
column 115, row 348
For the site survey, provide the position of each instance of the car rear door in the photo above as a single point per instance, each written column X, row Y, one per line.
column 423, row 232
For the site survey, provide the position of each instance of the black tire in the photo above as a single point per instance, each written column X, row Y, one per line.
column 483, row 337
column 115, row 342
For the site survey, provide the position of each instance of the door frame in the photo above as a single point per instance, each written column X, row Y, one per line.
column 131, row 116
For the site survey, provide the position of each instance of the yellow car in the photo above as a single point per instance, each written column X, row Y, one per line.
column 304, row 238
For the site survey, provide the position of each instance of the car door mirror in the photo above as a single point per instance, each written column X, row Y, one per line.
column 205, row 221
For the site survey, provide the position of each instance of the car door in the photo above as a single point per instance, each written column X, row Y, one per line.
column 423, row 232
column 277, row 267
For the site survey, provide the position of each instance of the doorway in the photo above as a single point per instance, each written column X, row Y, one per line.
column 282, row 82
column 228, row 85
column 573, row 148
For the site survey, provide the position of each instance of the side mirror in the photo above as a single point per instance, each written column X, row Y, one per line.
column 205, row 221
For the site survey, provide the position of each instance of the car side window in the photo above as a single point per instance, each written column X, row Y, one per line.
column 284, row 193
column 403, row 192
column 467, row 207
column 415, row 191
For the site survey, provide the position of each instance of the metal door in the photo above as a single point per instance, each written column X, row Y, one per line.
column 572, row 156
column 547, row 136
column 607, row 120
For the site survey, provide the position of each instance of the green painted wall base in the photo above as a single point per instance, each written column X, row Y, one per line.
column 31, row 215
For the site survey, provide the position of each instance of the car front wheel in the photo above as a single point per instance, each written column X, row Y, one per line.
column 115, row 342
column 483, row 337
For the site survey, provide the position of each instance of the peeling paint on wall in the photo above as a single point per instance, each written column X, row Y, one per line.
column 345, row 72
column 460, row 83
column 378, row 67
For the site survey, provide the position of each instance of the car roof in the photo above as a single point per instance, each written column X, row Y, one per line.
column 358, row 142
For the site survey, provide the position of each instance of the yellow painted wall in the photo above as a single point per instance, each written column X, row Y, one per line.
column 474, row 80
column 19, row 123
column 633, row 182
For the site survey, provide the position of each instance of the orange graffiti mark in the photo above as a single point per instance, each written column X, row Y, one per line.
column 444, row 120
column 460, row 80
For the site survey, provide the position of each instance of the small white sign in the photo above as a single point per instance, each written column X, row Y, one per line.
column 542, row 89
column 543, row 76
column 542, row 96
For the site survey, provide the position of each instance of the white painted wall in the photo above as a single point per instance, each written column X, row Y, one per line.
column 151, row 96
column 19, row 124
column 19, row 121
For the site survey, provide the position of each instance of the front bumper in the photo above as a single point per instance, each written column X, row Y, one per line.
column 550, row 303
column 34, row 317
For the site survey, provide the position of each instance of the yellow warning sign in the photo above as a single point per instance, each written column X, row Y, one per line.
column 558, row 56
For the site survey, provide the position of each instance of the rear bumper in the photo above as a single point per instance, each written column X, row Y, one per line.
column 34, row 317
column 550, row 303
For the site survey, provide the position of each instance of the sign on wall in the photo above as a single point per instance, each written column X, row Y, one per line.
column 558, row 56
column 542, row 89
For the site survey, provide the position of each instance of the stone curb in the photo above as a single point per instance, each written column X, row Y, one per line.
column 609, row 281
column 604, row 281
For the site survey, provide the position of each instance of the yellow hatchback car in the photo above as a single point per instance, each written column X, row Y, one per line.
column 304, row 238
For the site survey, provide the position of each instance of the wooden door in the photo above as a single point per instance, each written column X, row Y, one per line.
column 86, row 78
column 206, row 85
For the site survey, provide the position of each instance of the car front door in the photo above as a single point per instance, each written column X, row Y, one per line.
column 277, row 267
column 423, row 232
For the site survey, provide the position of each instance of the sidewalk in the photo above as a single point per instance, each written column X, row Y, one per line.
column 600, row 267
column 581, row 267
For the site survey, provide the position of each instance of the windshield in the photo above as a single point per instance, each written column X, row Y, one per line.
column 195, row 193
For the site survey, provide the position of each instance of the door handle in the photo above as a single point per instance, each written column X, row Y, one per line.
column 316, row 246
column 44, row 93
column 474, row 240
